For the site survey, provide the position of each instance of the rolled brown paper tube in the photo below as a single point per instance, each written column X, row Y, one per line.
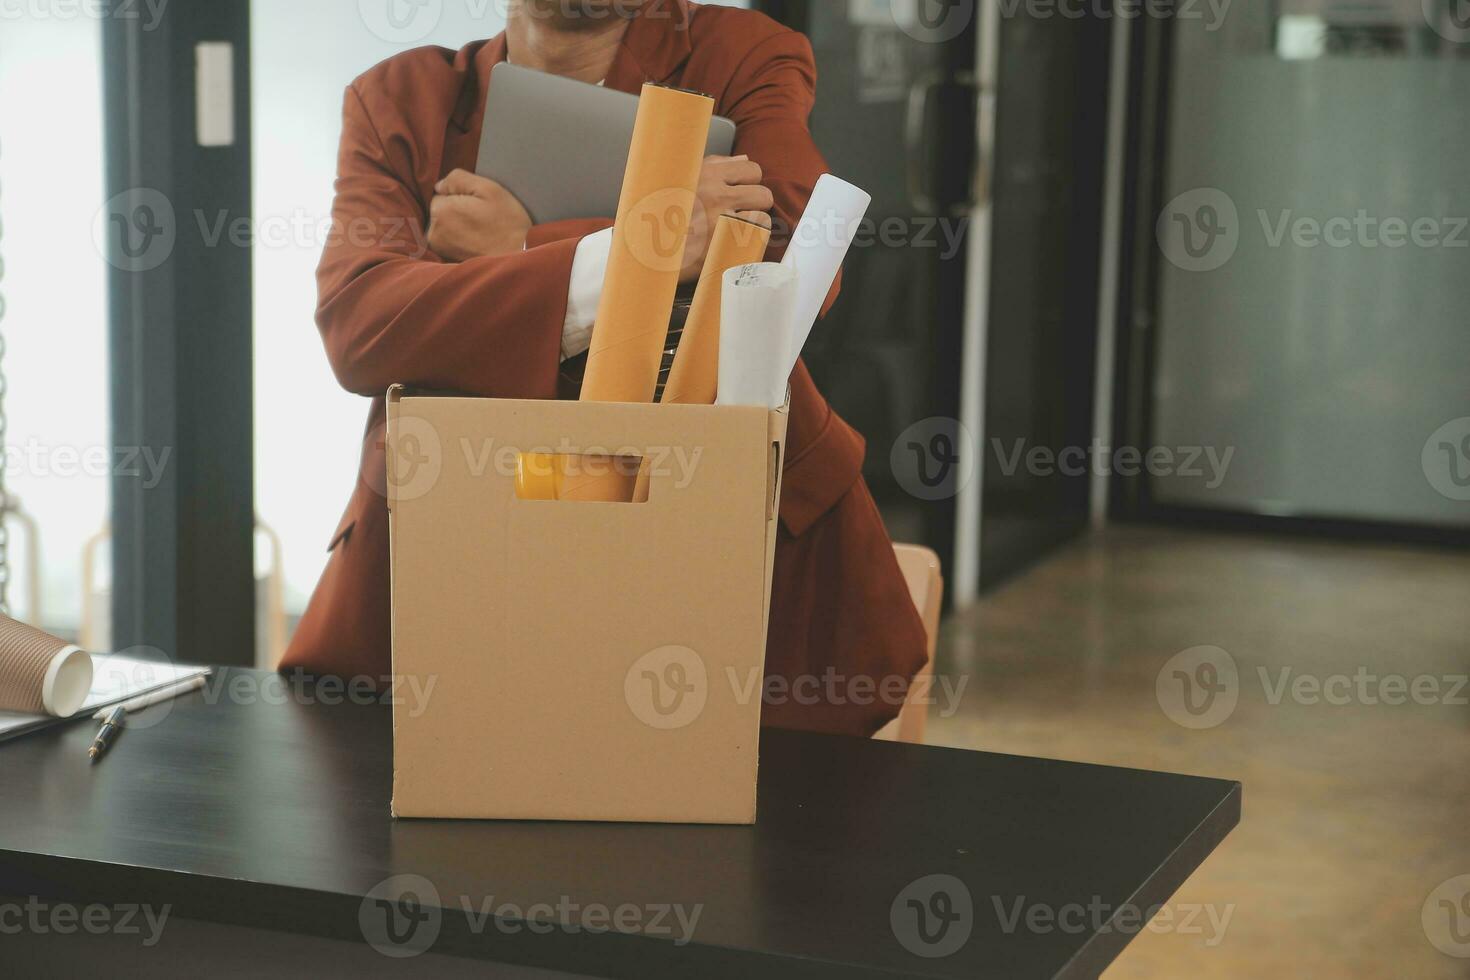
column 649, row 235
column 40, row 674
column 694, row 378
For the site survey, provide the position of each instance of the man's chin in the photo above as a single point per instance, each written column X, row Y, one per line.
column 581, row 14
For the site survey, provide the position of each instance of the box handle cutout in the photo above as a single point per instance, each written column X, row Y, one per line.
column 547, row 477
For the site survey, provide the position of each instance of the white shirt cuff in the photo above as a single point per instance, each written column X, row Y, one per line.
column 589, row 268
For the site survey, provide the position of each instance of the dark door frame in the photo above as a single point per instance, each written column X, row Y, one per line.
column 947, row 175
column 181, row 345
column 1048, row 219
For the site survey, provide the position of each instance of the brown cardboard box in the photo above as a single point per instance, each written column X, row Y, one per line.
column 589, row 661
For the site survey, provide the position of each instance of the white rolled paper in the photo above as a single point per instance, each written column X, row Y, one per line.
column 755, row 335
column 821, row 241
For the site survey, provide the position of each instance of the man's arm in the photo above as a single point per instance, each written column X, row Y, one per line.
column 391, row 310
column 770, row 98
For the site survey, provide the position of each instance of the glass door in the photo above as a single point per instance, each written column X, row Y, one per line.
column 1312, row 247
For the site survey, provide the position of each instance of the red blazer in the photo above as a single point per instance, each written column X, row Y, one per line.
column 391, row 311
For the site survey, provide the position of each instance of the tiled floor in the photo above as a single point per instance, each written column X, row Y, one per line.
column 1356, row 810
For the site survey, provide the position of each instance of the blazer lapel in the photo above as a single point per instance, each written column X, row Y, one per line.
column 655, row 47
column 462, row 141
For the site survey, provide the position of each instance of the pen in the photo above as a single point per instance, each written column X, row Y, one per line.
column 108, row 732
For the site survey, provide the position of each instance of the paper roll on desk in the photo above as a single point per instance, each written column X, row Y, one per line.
column 755, row 334
column 821, row 241
column 40, row 674
column 649, row 234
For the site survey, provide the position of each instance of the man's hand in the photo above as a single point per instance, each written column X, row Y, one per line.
column 473, row 216
column 727, row 185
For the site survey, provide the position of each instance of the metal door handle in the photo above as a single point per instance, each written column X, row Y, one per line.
column 916, row 125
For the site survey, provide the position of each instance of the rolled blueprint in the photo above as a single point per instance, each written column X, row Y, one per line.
column 755, row 335
column 649, row 235
column 696, row 371
column 820, row 243
column 40, row 674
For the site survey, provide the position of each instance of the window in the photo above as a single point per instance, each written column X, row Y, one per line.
column 59, row 456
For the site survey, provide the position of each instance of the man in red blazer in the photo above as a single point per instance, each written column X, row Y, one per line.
column 453, row 289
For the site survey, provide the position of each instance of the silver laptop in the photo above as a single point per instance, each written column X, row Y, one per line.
column 560, row 145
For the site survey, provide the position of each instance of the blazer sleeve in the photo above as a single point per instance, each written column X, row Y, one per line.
column 391, row 311
column 770, row 99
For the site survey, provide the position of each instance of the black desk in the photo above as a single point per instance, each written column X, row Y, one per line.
column 265, row 825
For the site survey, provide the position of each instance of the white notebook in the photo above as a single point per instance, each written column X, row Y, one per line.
column 115, row 679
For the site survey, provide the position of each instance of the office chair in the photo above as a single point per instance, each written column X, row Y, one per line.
column 922, row 572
